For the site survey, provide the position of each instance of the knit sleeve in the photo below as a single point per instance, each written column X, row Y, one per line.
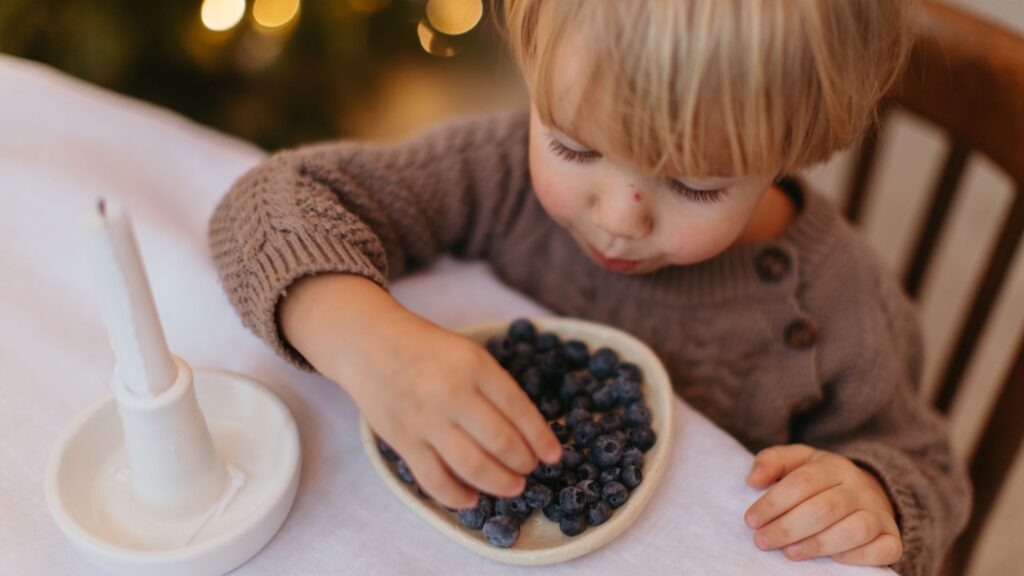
column 377, row 210
column 873, row 413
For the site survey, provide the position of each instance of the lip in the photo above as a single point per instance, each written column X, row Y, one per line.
column 613, row 264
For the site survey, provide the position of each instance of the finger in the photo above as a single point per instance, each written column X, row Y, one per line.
column 505, row 394
column 492, row 430
column 808, row 518
column 850, row 533
column 775, row 462
column 475, row 466
column 797, row 486
column 437, row 480
column 884, row 550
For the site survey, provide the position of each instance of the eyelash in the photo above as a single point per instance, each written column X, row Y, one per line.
column 704, row 196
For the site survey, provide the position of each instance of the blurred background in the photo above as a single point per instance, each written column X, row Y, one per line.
column 283, row 72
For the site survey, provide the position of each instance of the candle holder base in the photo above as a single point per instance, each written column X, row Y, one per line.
column 90, row 494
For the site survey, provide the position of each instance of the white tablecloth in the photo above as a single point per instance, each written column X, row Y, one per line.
column 64, row 143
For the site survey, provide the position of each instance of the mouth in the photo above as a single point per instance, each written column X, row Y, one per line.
column 612, row 264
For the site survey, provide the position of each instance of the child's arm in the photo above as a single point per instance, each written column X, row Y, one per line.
column 880, row 485
column 311, row 237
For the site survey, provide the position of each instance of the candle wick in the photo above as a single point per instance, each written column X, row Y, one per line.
column 103, row 207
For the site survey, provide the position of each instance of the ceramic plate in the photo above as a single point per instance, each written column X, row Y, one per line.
column 540, row 540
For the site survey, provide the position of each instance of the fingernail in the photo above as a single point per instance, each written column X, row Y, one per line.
column 761, row 540
column 793, row 550
column 751, row 519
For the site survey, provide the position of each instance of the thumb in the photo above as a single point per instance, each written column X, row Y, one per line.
column 775, row 462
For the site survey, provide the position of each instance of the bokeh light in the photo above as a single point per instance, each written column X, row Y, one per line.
column 433, row 42
column 274, row 13
column 454, row 17
column 221, row 15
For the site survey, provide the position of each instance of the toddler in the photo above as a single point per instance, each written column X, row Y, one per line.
column 653, row 185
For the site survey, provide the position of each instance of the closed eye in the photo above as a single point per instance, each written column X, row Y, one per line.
column 705, row 196
column 568, row 154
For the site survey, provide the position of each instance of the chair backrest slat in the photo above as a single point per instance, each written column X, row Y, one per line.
column 983, row 300
column 942, row 199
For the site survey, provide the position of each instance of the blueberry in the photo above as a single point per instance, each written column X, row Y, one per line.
column 386, row 451
column 582, row 402
column 607, row 451
column 522, row 330
column 571, row 500
column 631, row 477
column 621, row 437
column 475, row 517
column 572, row 525
column 571, row 457
column 627, row 371
column 637, row 414
column 547, row 472
column 611, row 422
column 615, row 494
column 577, row 353
column 568, row 478
column 550, row 407
column 584, row 432
column 547, row 341
column 626, row 391
column 604, row 398
column 532, row 382
column 518, row 364
column 575, row 416
column 610, row 474
column 643, row 438
column 538, row 495
column 591, row 490
column 587, row 471
column 573, row 384
column 553, row 364
column 502, row 531
column 501, row 348
column 599, row 513
column 405, row 473
column 516, row 507
column 602, row 363
column 560, row 431
column 553, row 511
column 632, row 456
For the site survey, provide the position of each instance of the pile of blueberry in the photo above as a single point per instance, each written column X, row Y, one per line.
column 596, row 408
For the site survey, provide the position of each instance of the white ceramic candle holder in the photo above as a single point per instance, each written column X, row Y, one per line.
column 174, row 472
column 205, row 481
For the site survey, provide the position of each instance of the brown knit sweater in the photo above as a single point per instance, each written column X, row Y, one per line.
column 803, row 339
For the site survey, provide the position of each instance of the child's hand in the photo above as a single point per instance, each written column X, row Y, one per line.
column 823, row 505
column 454, row 414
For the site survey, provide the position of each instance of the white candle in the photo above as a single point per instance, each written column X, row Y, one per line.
column 143, row 361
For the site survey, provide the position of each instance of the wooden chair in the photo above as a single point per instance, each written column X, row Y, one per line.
column 966, row 75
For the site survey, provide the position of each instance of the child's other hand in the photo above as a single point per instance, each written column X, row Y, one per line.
column 822, row 505
column 454, row 414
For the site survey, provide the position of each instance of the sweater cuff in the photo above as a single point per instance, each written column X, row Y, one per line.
column 290, row 253
column 897, row 474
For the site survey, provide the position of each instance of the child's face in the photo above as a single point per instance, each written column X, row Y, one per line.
column 612, row 208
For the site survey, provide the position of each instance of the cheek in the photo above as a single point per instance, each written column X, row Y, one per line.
column 555, row 189
column 705, row 238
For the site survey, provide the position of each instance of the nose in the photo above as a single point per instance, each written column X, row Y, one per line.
column 622, row 211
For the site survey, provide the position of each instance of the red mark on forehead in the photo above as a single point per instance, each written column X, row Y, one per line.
column 636, row 196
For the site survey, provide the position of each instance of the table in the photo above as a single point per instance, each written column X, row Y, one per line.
column 64, row 143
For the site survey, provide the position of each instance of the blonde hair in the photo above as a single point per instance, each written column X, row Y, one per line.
column 780, row 84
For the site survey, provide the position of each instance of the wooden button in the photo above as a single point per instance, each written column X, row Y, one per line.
column 801, row 335
column 772, row 264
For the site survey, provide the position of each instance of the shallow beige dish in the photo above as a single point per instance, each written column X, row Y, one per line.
column 540, row 541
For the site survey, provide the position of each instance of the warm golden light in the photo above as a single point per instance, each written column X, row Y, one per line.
column 274, row 13
column 454, row 17
column 433, row 42
column 220, row 15
column 367, row 6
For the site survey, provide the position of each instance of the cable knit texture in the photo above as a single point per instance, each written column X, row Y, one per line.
column 803, row 339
